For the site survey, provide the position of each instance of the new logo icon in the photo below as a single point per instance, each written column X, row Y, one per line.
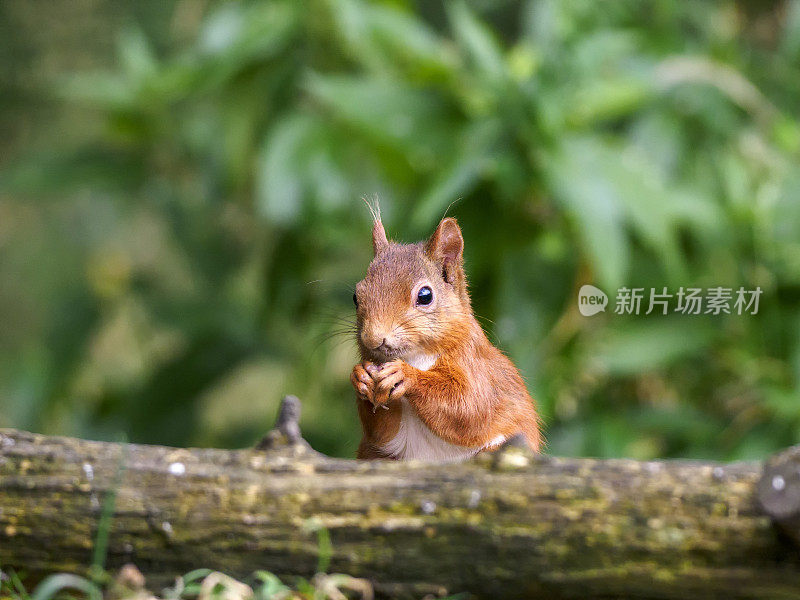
column 591, row 300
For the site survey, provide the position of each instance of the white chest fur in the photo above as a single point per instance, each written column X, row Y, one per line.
column 415, row 441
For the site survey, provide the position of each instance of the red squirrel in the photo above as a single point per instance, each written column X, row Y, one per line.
column 430, row 385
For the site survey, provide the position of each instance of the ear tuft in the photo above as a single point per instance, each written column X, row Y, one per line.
column 446, row 247
column 379, row 240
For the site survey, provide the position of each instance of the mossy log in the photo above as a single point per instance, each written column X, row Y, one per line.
column 506, row 525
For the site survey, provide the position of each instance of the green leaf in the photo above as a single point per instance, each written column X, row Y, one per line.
column 136, row 56
column 239, row 33
column 239, row 37
column 279, row 180
column 651, row 343
column 591, row 201
column 604, row 99
column 270, row 586
column 460, row 175
column 50, row 587
column 388, row 112
column 387, row 39
column 790, row 27
column 106, row 91
column 477, row 40
column 613, row 189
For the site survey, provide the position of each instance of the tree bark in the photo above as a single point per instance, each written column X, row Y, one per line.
column 503, row 525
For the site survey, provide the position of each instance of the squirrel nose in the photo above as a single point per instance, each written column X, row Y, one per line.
column 375, row 341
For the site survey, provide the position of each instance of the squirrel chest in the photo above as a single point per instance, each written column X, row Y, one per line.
column 414, row 440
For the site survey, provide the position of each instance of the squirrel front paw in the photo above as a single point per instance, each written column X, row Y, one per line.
column 392, row 381
column 362, row 381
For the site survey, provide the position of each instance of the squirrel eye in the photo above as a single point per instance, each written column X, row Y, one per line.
column 424, row 295
column 355, row 300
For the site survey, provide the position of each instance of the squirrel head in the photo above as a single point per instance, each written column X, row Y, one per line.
column 414, row 298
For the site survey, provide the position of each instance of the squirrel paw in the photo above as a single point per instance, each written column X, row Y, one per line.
column 391, row 382
column 362, row 381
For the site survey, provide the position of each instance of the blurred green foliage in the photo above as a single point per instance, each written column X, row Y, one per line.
column 182, row 267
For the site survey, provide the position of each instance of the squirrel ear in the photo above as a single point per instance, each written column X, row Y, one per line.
column 379, row 241
column 446, row 246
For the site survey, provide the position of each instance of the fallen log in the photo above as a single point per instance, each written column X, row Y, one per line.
column 505, row 525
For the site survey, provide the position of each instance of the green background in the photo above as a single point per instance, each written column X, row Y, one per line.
column 181, row 223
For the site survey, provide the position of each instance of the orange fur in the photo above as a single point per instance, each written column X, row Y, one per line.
column 467, row 392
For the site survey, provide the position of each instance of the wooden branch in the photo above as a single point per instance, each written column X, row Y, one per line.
column 779, row 491
column 503, row 525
